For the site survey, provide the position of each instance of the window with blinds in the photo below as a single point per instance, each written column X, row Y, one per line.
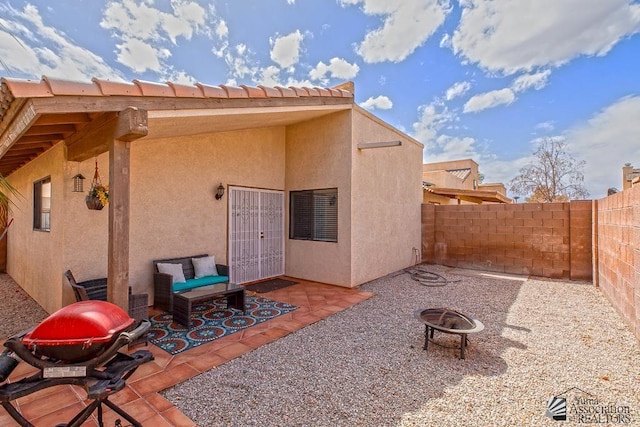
column 314, row 215
column 42, row 204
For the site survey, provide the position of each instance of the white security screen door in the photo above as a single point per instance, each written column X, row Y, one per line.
column 256, row 234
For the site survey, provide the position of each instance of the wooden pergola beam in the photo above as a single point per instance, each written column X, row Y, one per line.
column 130, row 125
column 470, row 199
column 93, row 139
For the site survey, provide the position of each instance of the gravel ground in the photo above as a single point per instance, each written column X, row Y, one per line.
column 365, row 366
column 19, row 311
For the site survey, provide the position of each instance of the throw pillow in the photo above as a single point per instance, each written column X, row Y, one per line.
column 204, row 266
column 173, row 269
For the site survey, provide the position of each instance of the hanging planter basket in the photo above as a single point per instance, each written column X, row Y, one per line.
column 98, row 196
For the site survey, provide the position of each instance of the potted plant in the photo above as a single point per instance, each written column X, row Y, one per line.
column 98, row 196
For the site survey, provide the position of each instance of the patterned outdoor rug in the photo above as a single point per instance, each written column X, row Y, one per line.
column 212, row 320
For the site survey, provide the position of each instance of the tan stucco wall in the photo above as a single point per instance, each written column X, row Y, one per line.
column 42, row 280
column 173, row 209
column 386, row 200
column 436, row 199
column 437, row 173
column 174, row 212
column 494, row 186
column 173, row 181
column 442, row 178
column 319, row 156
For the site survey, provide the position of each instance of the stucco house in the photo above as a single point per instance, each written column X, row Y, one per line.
column 458, row 182
column 314, row 186
column 630, row 176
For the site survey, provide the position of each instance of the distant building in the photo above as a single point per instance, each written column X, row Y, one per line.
column 458, row 182
column 630, row 176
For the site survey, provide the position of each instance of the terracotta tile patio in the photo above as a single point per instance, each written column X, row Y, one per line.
column 141, row 397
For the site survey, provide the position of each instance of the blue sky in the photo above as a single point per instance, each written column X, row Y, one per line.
column 481, row 79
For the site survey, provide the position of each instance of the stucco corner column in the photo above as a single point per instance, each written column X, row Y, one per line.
column 132, row 124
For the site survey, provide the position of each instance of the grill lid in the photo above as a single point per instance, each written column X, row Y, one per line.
column 82, row 323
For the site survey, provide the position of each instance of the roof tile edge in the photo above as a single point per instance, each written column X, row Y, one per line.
column 47, row 87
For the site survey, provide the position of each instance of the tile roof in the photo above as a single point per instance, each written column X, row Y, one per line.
column 25, row 88
column 11, row 89
column 36, row 115
column 460, row 173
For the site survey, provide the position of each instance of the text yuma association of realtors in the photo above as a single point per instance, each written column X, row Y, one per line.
column 590, row 410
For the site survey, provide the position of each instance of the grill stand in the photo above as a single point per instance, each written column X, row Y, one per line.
column 99, row 386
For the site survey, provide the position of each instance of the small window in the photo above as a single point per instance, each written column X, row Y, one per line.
column 42, row 204
column 314, row 215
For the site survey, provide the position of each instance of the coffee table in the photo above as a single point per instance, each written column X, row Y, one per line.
column 183, row 301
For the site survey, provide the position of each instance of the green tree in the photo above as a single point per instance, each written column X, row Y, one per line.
column 6, row 189
column 553, row 175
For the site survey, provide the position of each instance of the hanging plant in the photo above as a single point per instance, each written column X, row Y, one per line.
column 98, row 196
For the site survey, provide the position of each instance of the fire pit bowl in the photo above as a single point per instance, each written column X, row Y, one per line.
column 448, row 321
column 78, row 332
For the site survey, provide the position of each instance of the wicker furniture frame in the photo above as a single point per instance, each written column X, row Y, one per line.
column 96, row 289
column 163, row 283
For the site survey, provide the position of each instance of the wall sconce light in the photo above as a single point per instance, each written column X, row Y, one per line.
column 220, row 192
column 78, row 181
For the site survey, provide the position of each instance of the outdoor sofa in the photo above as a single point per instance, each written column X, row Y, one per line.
column 197, row 271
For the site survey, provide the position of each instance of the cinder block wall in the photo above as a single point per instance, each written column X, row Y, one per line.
column 617, row 270
column 540, row 239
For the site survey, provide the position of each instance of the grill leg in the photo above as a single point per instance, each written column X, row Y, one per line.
column 122, row 413
column 83, row 415
column 16, row 415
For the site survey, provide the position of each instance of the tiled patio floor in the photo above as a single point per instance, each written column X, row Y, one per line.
column 141, row 396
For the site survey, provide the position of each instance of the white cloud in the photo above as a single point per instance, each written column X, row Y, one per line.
column 338, row 68
column 446, row 147
column 285, row 50
column 380, row 103
column 433, row 117
column 505, row 96
column 500, row 170
column 606, row 142
column 145, row 31
column 141, row 56
column 407, row 25
column 527, row 81
column 222, row 31
column 509, row 36
column 458, row 89
column 547, row 126
column 271, row 76
column 489, row 100
column 44, row 50
column 240, row 62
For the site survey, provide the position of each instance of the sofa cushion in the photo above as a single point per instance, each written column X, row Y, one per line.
column 174, row 270
column 196, row 283
column 204, row 266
